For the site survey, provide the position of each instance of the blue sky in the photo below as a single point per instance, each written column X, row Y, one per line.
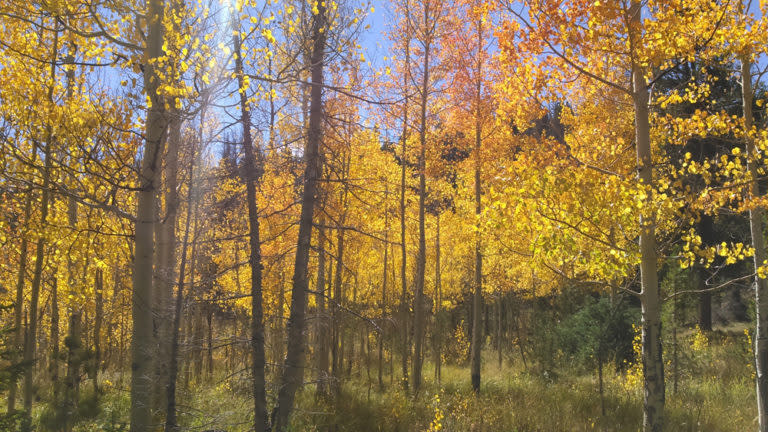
column 374, row 41
column 376, row 45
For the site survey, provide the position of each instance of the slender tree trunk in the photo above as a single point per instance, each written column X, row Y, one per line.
column 705, row 311
column 351, row 332
column 278, row 320
column 30, row 350
column 339, row 362
column 27, row 420
column 85, row 335
column 209, row 341
column 421, row 256
column 383, row 306
column 99, row 282
column 477, row 298
column 228, row 354
column 122, row 350
column 438, row 303
column 166, row 265
column 72, row 219
column 189, row 340
column 251, row 177
column 197, row 361
column 403, row 254
column 113, row 339
column 351, row 354
column 600, row 384
column 194, row 347
column 653, row 366
column 499, row 345
column 322, row 327
column 54, row 363
column 142, row 347
column 173, row 364
column 392, row 366
column 520, row 342
column 756, row 218
column 337, row 344
column 246, row 359
column 74, row 360
column 705, row 300
column 337, row 349
column 19, row 300
column 362, row 357
column 675, row 375
column 293, row 371
column 365, row 341
column 272, row 110
column 650, row 298
column 329, row 324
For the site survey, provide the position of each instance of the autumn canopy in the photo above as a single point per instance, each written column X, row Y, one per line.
column 398, row 215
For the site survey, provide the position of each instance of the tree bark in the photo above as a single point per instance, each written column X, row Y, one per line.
column 293, row 371
column 351, row 332
column 383, row 306
column 499, row 314
column 438, row 302
column 189, row 335
column 251, row 177
column 405, row 347
column 600, row 384
column 477, row 298
column 756, row 218
column 99, row 282
column 675, row 364
column 705, row 311
column 53, row 366
column 705, row 299
column 142, row 347
column 17, row 306
column 72, row 219
column 337, row 346
column 421, row 255
column 31, row 345
column 173, row 364
column 337, row 338
column 74, row 361
column 197, row 361
column 278, row 335
column 209, row 343
column 365, row 344
column 322, row 327
column 166, row 265
column 650, row 298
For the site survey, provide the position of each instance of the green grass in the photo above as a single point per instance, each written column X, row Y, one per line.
column 715, row 393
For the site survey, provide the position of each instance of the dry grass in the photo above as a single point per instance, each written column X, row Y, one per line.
column 715, row 393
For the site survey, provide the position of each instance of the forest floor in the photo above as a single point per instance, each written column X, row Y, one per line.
column 715, row 392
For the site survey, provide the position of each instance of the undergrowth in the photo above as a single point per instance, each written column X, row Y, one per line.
column 715, row 392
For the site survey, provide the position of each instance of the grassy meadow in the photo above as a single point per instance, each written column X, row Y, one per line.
column 714, row 392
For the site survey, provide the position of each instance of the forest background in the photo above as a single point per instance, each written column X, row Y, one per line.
column 403, row 215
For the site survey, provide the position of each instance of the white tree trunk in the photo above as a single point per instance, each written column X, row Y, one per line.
column 142, row 347
column 756, row 216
